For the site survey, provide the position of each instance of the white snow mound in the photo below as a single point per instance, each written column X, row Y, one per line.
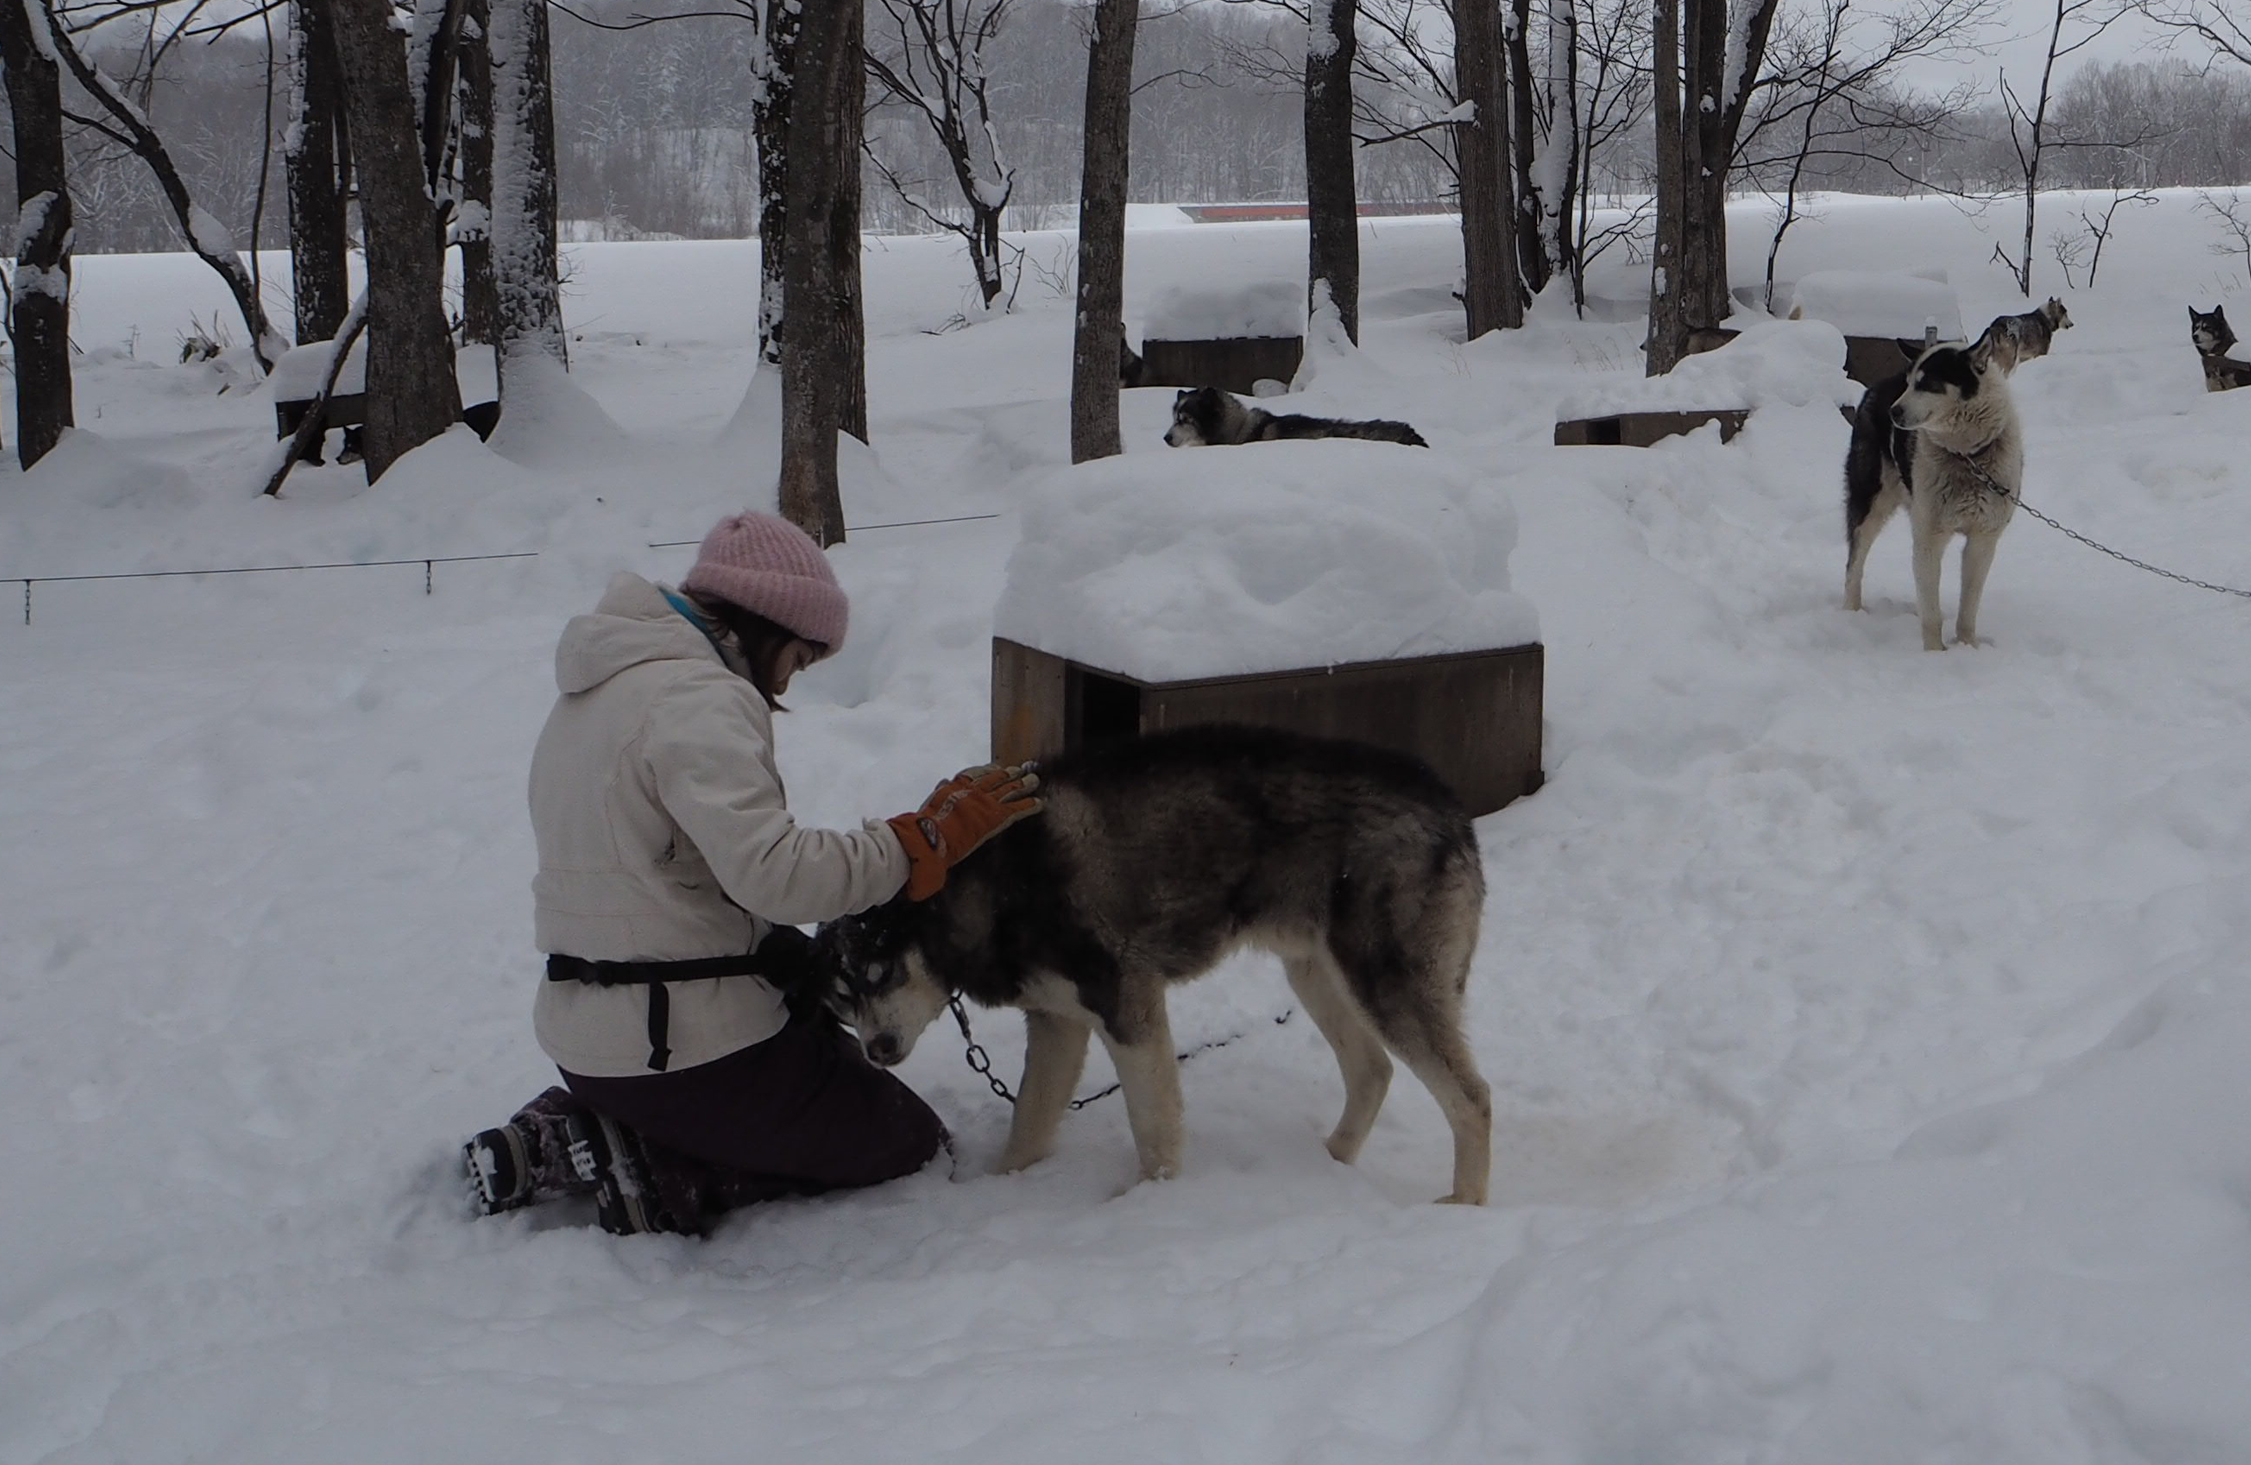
column 1225, row 561
column 297, row 376
column 1880, row 303
column 1794, row 363
column 1200, row 313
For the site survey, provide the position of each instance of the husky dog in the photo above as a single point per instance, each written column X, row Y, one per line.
column 2018, row 338
column 2208, row 332
column 1206, row 417
column 1944, row 441
column 1154, row 859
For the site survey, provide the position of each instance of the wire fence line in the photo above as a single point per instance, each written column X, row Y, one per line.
column 427, row 562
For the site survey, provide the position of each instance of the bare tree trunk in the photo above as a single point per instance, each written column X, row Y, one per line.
column 480, row 291
column 1702, row 94
column 411, row 396
column 1492, row 298
column 525, row 273
column 817, row 356
column 318, row 185
column 39, row 300
column 770, row 123
column 1524, row 134
column 850, row 319
column 1099, row 339
column 1332, row 195
column 210, row 240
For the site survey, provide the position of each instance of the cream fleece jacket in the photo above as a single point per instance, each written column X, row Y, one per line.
column 664, row 834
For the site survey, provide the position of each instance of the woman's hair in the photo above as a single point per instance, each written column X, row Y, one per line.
column 762, row 641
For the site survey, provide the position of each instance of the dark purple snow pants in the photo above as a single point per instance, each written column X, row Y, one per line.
column 798, row 1114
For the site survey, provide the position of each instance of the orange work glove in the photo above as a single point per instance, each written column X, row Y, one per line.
column 961, row 814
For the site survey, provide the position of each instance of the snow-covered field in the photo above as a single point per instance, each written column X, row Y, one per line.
column 1868, row 1029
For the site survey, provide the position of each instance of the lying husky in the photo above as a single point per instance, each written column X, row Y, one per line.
column 2208, row 332
column 1206, row 417
column 2016, row 339
column 1155, row 859
column 1943, row 440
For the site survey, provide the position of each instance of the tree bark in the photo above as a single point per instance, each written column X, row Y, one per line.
column 820, row 285
column 39, row 303
column 1492, row 298
column 1099, row 338
column 318, row 181
column 411, row 396
column 480, row 291
column 1332, row 196
column 769, row 123
column 1700, row 104
column 1524, row 134
column 850, row 320
column 525, row 272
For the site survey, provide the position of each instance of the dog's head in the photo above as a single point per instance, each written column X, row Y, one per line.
column 875, row 978
column 2055, row 315
column 2208, row 331
column 1942, row 378
column 1199, row 418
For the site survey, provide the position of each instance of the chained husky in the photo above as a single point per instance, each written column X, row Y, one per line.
column 1155, row 859
column 1943, row 440
column 1206, row 417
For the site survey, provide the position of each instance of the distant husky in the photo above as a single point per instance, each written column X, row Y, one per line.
column 1944, row 441
column 1153, row 860
column 2016, row 339
column 2208, row 332
column 1206, row 417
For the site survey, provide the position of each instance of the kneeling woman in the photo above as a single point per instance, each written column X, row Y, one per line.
column 671, row 878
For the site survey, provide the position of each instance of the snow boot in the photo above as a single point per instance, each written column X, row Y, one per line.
column 627, row 1199
column 525, row 1160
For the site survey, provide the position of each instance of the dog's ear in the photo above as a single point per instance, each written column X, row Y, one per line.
column 1184, row 394
column 1981, row 355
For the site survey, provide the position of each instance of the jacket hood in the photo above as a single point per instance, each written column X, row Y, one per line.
column 632, row 624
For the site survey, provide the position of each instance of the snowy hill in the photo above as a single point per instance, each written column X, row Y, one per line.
column 1867, row 1028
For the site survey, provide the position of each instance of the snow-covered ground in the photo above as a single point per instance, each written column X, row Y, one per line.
column 1868, row 1029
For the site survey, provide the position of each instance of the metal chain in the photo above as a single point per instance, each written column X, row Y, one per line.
column 981, row 1062
column 1988, row 480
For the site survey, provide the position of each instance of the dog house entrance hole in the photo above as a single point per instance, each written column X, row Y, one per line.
column 1105, row 709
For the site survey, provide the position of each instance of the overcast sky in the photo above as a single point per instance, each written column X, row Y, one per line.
column 2019, row 41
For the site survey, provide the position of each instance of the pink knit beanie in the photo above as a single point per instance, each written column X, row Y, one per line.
column 770, row 567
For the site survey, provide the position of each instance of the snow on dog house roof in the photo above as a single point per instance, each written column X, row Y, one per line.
column 298, row 374
column 1773, row 362
column 1264, row 308
column 1209, row 562
column 1880, row 303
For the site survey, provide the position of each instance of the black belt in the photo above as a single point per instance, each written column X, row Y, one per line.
column 653, row 975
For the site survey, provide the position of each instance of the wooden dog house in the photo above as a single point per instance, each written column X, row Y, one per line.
column 1231, row 363
column 1473, row 716
column 1640, row 429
